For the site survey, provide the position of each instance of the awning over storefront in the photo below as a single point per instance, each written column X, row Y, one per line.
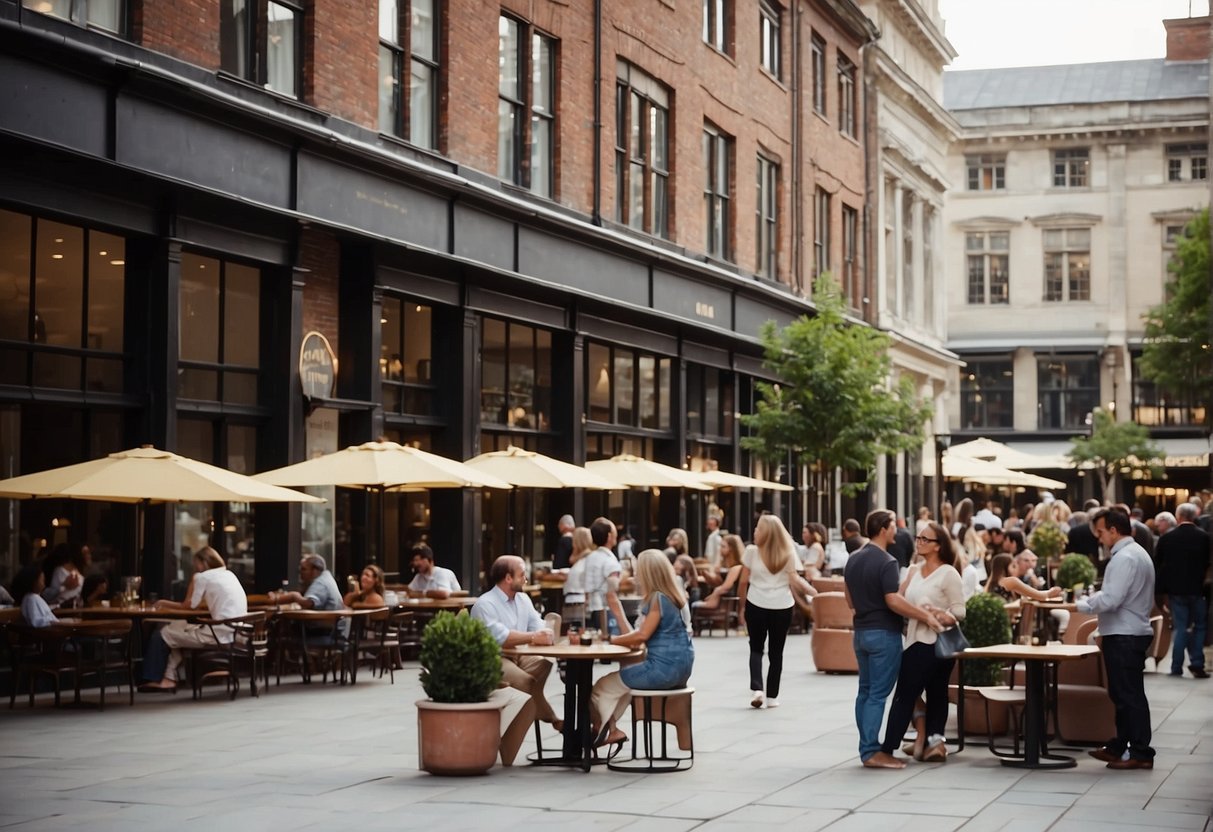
column 1179, row 452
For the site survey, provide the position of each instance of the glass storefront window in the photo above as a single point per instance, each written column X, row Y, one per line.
column 709, row 405
column 625, row 387
column 63, row 291
column 406, row 357
column 220, row 333
column 517, row 376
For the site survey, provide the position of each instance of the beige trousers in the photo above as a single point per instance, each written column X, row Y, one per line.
column 529, row 674
column 180, row 634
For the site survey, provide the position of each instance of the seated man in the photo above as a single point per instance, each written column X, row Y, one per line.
column 431, row 581
column 320, row 592
column 508, row 613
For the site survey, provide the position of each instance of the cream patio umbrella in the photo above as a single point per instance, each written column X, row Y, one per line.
column 527, row 469
column 147, row 475
column 643, row 473
column 965, row 468
column 382, row 466
column 723, row 479
column 1008, row 457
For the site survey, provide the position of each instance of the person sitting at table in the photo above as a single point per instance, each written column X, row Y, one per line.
column 431, row 581
column 573, row 609
column 512, row 620
column 27, row 592
column 731, row 550
column 688, row 574
column 212, row 585
column 96, row 588
column 675, row 544
column 370, row 588
column 668, row 660
column 1006, row 582
column 320, row 592
column 64, row 574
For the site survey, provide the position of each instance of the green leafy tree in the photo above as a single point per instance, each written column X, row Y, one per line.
column 1176, row 355
column 835, row 407
column 1116, row 448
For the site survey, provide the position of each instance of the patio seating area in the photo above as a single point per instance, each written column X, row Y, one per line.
column 322, row 756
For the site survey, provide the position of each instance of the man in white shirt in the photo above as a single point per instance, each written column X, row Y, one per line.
column 711, row 548
column 430, row 580
column 511, row 618
column 602, row 574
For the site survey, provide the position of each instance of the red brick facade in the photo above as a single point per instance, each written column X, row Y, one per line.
column 729, row 89
column 1188, row 39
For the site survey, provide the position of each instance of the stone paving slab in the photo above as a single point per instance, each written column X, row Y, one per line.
column 327, row 757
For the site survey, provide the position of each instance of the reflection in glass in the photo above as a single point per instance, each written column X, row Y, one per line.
column 493, row 395
column 199, row 306
column 598, row 382
column 15, row 230
column 106, row 291
column 281, row 67
column 59, row 266
column 624, row 391
column 241, row 314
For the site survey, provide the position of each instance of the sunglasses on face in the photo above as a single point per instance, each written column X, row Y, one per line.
column 922, row 539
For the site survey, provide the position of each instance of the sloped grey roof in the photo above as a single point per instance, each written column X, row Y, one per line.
column 1152, row 79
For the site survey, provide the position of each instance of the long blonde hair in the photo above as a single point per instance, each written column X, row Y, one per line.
column 731, row 550
column 583, row 542
column 655, row 574
column 776, row 548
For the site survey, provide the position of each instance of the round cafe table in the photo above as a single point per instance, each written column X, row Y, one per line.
column 577, row 747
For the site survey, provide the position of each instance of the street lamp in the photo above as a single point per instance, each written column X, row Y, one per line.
column 943, row 441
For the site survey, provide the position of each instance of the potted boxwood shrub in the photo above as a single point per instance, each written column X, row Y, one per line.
column 985, row 624
column 459, row 726
column 1048, row 541
column 1076, row 570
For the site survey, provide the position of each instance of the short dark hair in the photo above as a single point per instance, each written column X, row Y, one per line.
column 1114, row 518
column 1016, row 537
column 600, row 531
column 878, row 520
column 423, row 550
column 851, row 525
column 501, row 567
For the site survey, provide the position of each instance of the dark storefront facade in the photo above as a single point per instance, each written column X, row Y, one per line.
column 166, row 242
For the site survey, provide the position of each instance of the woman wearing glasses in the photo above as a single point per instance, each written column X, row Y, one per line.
column 935, row 586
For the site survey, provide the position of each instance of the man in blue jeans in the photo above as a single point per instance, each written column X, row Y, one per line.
column 1182, row 559
column 871, row 588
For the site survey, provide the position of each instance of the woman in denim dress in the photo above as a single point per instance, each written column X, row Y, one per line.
column 669, row 656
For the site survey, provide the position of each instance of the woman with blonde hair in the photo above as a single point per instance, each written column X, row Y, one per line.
column 767, row 574
column 676, row 543
column 573, row 610
column 670, row 655
column 731, row 551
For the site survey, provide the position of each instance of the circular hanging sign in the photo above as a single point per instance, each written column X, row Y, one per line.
column 317, row 367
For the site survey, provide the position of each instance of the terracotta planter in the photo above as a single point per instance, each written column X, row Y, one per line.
column 459, row 739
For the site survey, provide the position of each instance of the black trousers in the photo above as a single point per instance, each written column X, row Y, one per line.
column 1124, row 659
column 763, row 624
column 921, row 672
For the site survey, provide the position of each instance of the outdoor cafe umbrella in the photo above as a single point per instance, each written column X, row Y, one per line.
column 379, row 467
column 958, row 467
column 527, row 469
column 638, row 472
column 147, row 475
column 724, row 479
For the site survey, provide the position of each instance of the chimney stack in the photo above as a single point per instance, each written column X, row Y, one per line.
column 1188, row 38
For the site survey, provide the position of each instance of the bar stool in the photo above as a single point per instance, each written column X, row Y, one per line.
column 644, row 703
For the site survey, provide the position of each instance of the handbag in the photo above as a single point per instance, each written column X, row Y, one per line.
column 949, row 642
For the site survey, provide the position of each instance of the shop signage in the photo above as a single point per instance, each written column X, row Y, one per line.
column 317, row 367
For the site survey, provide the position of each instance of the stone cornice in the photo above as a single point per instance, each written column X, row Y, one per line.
column 1065, row 218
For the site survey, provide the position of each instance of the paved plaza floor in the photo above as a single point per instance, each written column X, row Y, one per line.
column 332, row 758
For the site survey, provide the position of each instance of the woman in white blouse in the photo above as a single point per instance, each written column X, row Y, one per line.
column 934, row 585
column 768, row 572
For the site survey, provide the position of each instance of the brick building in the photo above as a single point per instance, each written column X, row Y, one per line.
column 552, row 224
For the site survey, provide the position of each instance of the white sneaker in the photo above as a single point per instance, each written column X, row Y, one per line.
column 756, row 699
column 772, row 703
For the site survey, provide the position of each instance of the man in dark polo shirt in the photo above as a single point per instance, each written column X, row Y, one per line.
column 1182, row 564
column 871, row 588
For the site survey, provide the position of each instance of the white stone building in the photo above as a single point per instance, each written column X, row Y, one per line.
column 1069, row 186
column 910, row 133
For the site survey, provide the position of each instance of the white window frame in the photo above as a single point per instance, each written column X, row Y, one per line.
column 989, row 252
column 770, row 19
column 1188, row 162
column 1072, row 167
column 986, row 172
column 1067, row 264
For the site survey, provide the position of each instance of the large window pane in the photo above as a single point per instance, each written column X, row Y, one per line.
column 493, row 397
column 389, row 21
column 199, row 308
column 421, row 105
column 59, row 290
column 422, row 29
column 15, row 239
column 522, row 376
column 598, row 382
column 417, row 343
column 241, row 313
column 624, row 389
column 106, row 291
column 281, row 60
column 647, row 372
column 389, row 90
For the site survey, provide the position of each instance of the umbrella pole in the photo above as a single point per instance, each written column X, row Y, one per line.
column 509, row 524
